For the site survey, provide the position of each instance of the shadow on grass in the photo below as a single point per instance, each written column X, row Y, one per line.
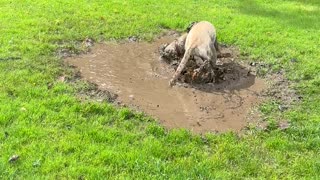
column 303, row 18
column 306, row 2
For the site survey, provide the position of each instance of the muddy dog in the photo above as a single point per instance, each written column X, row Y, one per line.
column 175, row 50
column 200, row 43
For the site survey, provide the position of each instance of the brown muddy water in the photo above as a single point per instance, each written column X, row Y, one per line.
column 134, row 72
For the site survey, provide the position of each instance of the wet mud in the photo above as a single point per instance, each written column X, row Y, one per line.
column 133, row 71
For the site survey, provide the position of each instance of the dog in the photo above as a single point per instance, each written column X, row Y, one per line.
column 201, row 43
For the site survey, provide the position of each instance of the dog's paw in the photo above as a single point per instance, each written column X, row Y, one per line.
column 172, row 82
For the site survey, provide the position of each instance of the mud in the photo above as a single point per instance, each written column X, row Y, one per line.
column 134, row 72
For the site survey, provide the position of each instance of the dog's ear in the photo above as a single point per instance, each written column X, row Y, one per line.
column 191, row 25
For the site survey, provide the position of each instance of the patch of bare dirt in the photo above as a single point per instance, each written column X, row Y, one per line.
column 282, row 90
column 134, row 72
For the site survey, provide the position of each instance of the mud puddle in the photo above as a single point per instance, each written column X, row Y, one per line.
column 133, row 71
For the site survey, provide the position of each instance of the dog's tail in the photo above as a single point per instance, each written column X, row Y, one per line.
column 182, row 65
column 216, row 45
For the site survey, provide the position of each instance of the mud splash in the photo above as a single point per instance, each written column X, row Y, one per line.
column 133, row 71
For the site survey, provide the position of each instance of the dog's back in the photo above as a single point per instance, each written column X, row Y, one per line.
column 201, row 34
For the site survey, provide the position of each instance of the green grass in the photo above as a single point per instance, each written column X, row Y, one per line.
column 57, row 136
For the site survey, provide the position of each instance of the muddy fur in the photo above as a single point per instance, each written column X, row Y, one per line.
column 174, row 50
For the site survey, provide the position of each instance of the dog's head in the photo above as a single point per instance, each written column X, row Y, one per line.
column 172, row 51
column 175, row 50
column 168, row 51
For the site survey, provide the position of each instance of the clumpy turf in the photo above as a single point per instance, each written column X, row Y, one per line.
column 58, row 136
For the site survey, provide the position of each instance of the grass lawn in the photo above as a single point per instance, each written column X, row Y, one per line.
column 57, row 136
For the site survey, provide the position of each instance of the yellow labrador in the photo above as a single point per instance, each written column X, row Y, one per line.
column 200, row 43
